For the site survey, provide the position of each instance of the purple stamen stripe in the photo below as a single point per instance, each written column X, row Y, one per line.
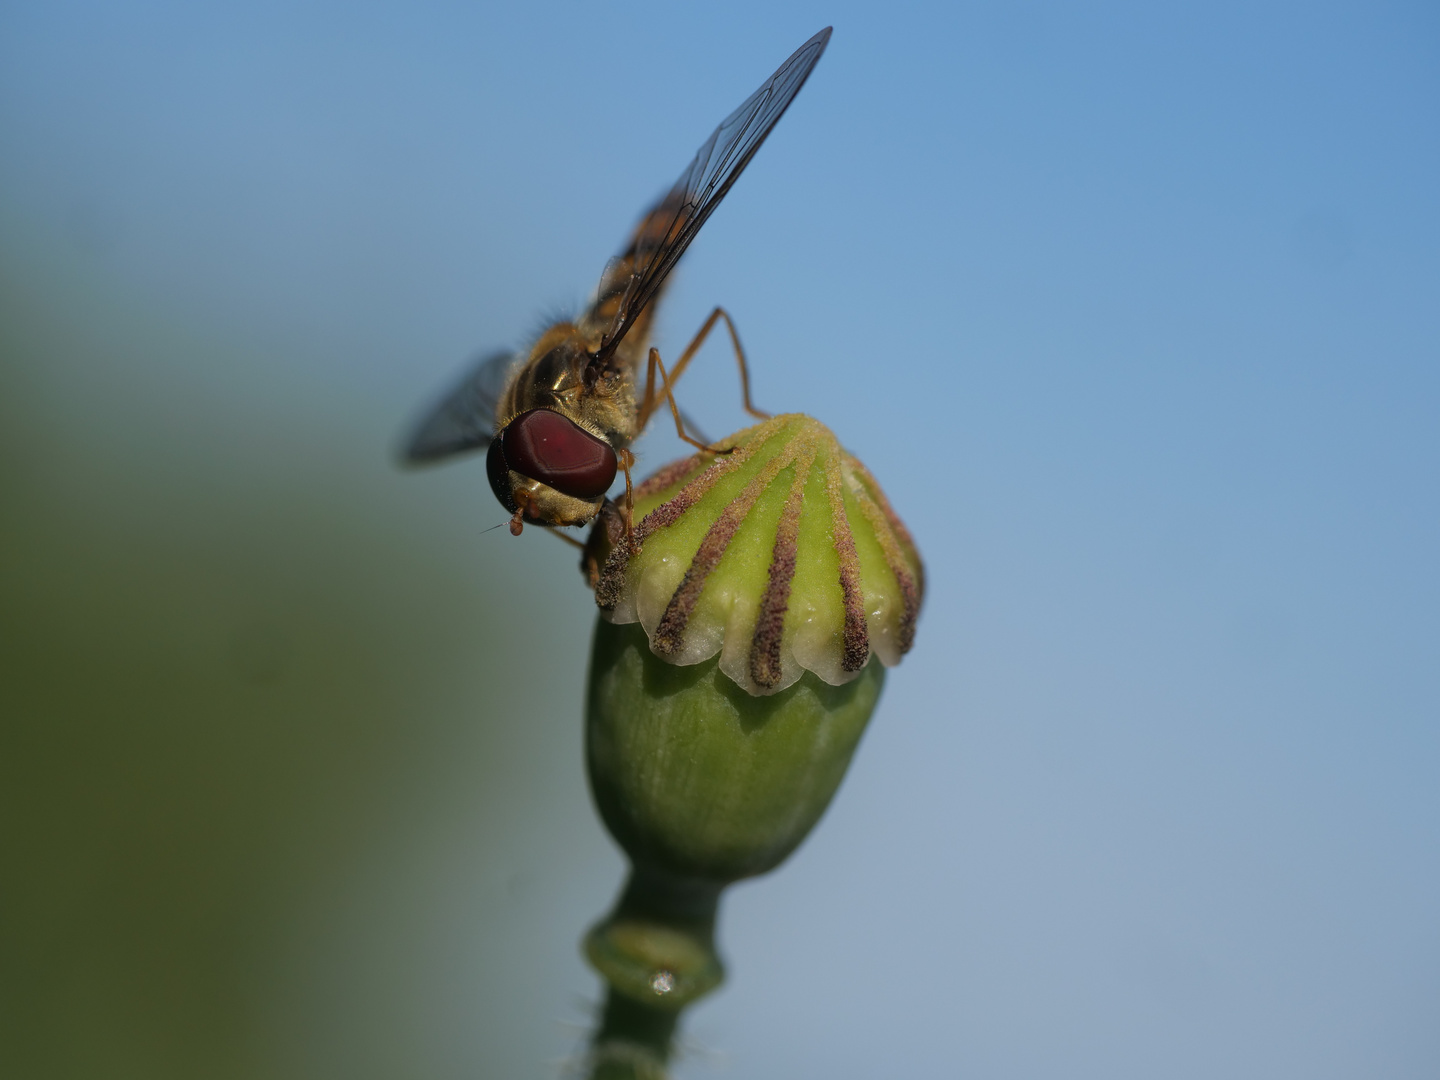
column 669, row 634
column 855, row 649
column 668, row 476
column 612, row 579
column 909, row 592
column 770, row 621
column 897, row 527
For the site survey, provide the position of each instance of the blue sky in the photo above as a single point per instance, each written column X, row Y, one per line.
column 1131, row 308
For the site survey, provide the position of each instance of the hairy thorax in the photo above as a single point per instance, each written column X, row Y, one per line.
column 555, row 377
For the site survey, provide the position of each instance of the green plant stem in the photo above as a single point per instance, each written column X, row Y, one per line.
column 634, row 1040
column 656, row 950
column 657, row 946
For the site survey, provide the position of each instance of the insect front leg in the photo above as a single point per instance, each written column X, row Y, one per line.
column 666, row 382
column 627, row 460
column 650, row 401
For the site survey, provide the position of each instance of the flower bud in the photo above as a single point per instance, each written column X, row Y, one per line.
column 782, row 555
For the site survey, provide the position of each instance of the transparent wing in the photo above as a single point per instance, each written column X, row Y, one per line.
column 678, row 217
column 464, row 419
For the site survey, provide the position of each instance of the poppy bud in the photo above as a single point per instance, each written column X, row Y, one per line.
column 745, row 625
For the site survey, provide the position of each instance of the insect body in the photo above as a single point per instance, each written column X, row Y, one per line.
column 560, row 420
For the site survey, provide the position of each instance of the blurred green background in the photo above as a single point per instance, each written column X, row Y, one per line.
column 289, row 778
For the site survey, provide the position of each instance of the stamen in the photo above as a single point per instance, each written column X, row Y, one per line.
column 765, row 667
column 909, row 588
column 856, row 638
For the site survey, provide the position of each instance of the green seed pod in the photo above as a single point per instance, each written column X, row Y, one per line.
column 696, row 777
column 745, row 626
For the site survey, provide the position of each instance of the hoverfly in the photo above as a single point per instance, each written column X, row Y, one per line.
column 559, row 420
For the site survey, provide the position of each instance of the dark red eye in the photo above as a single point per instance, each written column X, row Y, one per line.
column 545, row 446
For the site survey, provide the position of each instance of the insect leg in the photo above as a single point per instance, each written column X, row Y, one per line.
column 666, row 382
column 553, row 531
column 645, row 409
column 627, row 459
column 649, row 403
column 647, row 400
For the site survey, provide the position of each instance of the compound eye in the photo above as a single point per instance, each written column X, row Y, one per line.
column 545, row 446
